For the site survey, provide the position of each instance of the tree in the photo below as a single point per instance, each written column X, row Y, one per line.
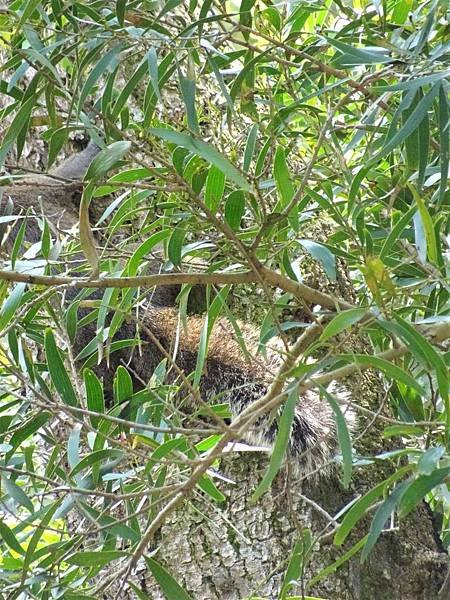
column 293, row 158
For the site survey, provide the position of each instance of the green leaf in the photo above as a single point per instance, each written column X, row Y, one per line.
column 337, row 563
column 235, row 209
column 281, row 444
column 203, row 150
column 411, row 124
column 342, row 321
column 128, row 88
column 429, row 459
column 215, row 186
column 28, row 11
column 357, row 512
column 21, row 119
column 250, row 147
column 381, row 517
column 170, row 588
column 73, row 447
column 427, row 224
column 11, row 304
column 152, row 61
column 444, row 136
column 7, row 536
column 297, row 562
column 396, row 232
column 187, row 86
column 94, row 395
column 323, row 255
column 106, row 159
column 95, row 457
column 424, row 352
column 208, row 486
column 282, row 177
column 345, row 443
column 352, row 56
column 27, row 430
column 106, row 63
column 17, row 493
column 391, row 370
column 122, row 385
column 419, row 488
column 38, row 533
column 175, row 245
column 57, row 370
column 99, row 558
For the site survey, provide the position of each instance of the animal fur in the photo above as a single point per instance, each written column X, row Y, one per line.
column 227, row 374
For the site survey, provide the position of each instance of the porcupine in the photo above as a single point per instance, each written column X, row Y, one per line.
column 227, row 373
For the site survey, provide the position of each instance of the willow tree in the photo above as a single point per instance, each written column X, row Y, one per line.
column 288, row 163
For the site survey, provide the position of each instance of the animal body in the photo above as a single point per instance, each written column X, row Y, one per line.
column 228, row 375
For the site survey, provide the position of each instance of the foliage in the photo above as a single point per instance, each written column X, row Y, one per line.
column 233, row 127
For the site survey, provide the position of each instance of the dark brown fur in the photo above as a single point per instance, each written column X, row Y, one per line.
column 227, row 374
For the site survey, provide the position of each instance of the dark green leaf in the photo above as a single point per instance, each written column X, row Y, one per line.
column 170, row 588
column 57, row 370
column 204, row 150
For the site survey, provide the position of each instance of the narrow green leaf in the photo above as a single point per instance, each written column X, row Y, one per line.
column 396, row 232
column 187, row 86
column 169, row 586
column 95, row 457
column 323, row 255
column 381, row 517
column 209, row 487
column 94, row 395
column 215, row 186
column 204, row 150
column 427, row 223
column 127, row 90
column 282, row 177
column 99, row 558
column 297, row 563
column 419, row 488
column 7, row 536
column 281, row 444
column 411, row 124
column 57, row 370
column 360, row 56
column 22, row 116
column 28, row 11
column 38, row 533
column 122, row 385
column 357, row 512
column 250, row 147
column 106, row 159
column 337, row 563
column 426, row 354
column 56, row 143
column 342, row 321
column 175, row 245
column 11, row 304
column 73, row 447
column 106, row 63
column 235, row 209
column 391, row 370
column 17, row 493
column 345, row 442
column 429, row 459
column 444, row 136
column 152, row 61
column 27, row 430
